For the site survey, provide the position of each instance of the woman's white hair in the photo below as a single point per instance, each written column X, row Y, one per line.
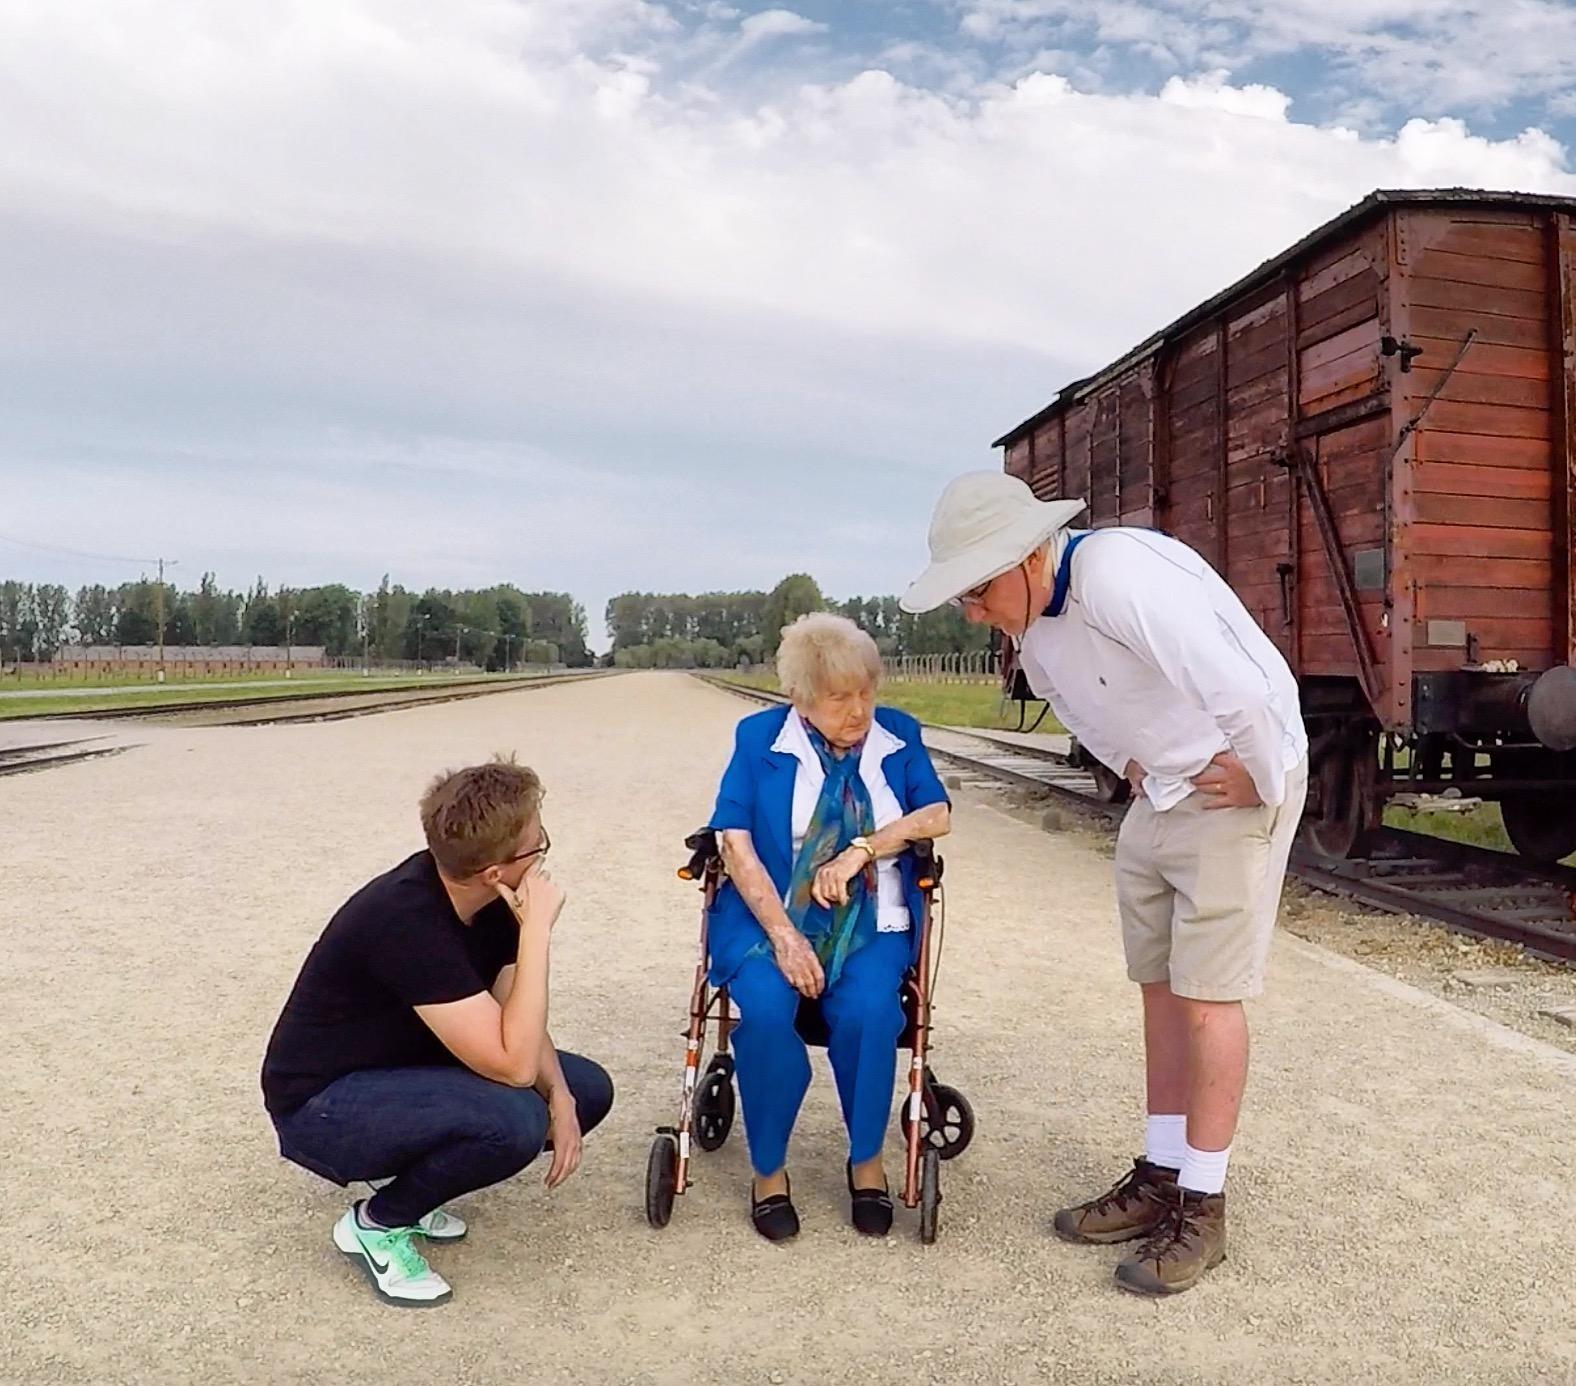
column 820, row 650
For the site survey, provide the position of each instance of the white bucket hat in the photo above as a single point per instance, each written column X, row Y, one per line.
column 984, row 524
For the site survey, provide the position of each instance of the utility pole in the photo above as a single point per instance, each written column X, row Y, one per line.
column 457, row 631
column 159, row 608
column 289, row 627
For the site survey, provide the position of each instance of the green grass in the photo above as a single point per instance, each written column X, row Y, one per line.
column 158, row 695
column 1481, row 827
column 944, row 704
column 16, row 683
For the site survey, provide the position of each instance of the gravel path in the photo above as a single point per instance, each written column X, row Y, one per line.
column 1404, row 1197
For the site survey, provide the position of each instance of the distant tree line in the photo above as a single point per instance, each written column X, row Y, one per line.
column 486, row 627
column 725, row 629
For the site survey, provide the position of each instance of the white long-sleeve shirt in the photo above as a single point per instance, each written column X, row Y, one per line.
column 1154, row 659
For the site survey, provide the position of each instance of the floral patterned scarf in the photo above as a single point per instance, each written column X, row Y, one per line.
column 842, row 813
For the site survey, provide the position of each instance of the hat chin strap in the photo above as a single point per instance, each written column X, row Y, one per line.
column 1058, row 542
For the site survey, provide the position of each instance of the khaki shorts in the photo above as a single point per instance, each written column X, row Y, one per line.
column 1199, row 890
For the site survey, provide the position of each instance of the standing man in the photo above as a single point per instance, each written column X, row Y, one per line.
column 414, row 1045
column 1152, row 662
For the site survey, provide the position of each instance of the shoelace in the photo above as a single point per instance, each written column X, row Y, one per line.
column 1129, row 1186
column 397, row 1244
column 1168, row 1234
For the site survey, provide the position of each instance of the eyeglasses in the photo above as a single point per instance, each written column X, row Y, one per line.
column 974, row 596
column 534, row 852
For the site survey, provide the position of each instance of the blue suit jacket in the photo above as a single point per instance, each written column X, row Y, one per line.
column 756, row 795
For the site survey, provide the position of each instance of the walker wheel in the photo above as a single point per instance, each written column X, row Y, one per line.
column 946, row 1123
column 714, row 1104
column 662, row 1175
column 929, row 1195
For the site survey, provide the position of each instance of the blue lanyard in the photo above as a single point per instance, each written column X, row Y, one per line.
column 1064, row 574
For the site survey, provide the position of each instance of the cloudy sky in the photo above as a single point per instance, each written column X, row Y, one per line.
column 667, row 294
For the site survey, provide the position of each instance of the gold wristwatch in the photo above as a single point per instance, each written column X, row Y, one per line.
column 863, row 843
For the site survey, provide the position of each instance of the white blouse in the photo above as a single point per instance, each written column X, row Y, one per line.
column 891, row 908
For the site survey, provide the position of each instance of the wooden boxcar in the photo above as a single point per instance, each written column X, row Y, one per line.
column 1373, row 438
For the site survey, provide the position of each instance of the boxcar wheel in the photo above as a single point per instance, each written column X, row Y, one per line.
column 929, row 1196
column 1540, row 829
column 662, row 1173
column 1343, row 775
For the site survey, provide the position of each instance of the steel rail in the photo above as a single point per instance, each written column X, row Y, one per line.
column 25, row 760
column 378, row 700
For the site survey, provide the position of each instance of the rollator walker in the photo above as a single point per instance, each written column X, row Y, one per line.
column 936, row 1120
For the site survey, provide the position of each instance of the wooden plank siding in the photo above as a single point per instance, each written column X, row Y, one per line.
column 1560, row 252
column 1341, row 307
column 1479, row 469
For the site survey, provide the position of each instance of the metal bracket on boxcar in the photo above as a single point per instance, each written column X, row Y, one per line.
column 1389, row 346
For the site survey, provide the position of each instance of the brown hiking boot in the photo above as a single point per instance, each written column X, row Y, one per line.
column 1132, row 1207
column 1189, row 1242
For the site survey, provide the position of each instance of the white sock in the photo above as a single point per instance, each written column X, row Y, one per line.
column 1164, row 1140
column 367, row 1220
column 1204, row 1171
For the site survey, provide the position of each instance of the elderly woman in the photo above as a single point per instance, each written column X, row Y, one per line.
column 815, row 810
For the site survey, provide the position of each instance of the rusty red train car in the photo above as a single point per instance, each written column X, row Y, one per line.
column 1373, row 438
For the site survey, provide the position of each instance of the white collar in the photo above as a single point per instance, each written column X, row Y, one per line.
column 794, row 740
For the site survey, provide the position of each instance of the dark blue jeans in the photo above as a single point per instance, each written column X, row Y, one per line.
column 437, row 1132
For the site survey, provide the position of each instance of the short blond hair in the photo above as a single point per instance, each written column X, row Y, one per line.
column 821, row 649
column 474, row 817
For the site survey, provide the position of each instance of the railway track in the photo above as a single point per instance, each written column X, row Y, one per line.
column 287, row 708
column 1472, row 890
column 23, row 760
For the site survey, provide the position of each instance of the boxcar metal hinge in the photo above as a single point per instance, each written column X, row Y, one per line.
column 1389, row 346
column 1295, row 460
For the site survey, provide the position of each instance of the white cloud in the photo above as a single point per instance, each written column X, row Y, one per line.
column 1213, row 91
column 1431, row 56
column 769, row 24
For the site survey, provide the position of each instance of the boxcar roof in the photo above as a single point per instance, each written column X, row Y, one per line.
column 1370, row 206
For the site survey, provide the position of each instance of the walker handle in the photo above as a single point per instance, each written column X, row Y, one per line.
column 927, row 865
column 703, row 844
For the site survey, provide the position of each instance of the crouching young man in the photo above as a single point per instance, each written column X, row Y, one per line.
column 414, row 1046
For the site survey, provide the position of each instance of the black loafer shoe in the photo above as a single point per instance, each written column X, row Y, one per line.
column 870, row 1210
column 775, row 1217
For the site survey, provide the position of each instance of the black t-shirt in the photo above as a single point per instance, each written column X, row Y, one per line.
column 394, row 945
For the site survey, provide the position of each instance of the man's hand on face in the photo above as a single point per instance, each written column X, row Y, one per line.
column 539, row 900
column 1226, row 782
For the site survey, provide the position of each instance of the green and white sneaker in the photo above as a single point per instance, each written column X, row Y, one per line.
column 437, row 1226
column 398, row 1272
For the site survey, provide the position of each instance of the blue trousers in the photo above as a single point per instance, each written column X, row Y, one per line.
column 440, row 1132
column 864, row 1016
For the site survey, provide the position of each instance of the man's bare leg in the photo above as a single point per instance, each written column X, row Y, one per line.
column 1217, row 1049
column 1165, row 1050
